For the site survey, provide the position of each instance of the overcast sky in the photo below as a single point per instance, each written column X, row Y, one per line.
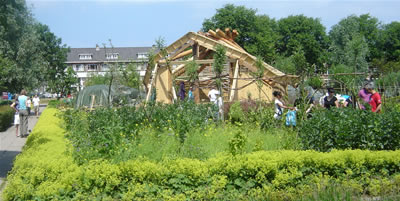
column 133, row 23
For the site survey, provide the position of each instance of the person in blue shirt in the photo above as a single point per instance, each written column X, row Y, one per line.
column 23, row 113
column 190, row 94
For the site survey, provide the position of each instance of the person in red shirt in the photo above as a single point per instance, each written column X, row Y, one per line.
column 375, row 100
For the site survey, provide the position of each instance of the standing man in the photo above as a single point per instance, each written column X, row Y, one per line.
column 36, row 103
column 23, row 113
column 375, row 100
column 212, row 95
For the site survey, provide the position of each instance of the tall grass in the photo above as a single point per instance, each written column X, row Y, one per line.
column 207, row 142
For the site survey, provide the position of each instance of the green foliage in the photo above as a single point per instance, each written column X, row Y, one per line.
column 315, row 82
column 237, row 143
column 44, row 171
column 131, row 77
column 303, row 33
column 256, row 32
column 236, row 113
column 6, row 117
column 285, row 64
column 259, row 74
column 390, row 41
column 351, row 129
column 104, row 132
column 191, row 71
column 97, row 79
column 354, row 39
column 218, row 65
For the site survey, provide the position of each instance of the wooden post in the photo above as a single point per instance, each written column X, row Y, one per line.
column 234, row 83
column 92, row 102
column 151, row 83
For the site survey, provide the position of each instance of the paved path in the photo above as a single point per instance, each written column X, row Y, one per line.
column 11, row 146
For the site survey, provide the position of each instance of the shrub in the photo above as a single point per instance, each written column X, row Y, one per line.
column 6, row 117
column 236, row 113
column 351, row 129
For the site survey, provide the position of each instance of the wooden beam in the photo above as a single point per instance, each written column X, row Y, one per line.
column 234, row 83
column 180, row 55
column 205, row 61
column 212, row 33
column 182, row 48
column 235, row 33
column 220, row 33
column 152, row 82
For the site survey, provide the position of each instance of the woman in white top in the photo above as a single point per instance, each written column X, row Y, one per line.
column 279, row 106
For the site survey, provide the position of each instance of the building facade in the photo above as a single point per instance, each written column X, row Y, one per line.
column 97, row 61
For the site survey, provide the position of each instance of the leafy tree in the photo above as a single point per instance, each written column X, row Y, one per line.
column 97, row 79
column 390, row 41
column 131, row 77
column 300, row 33
column 218, row 67
column 356, row 36
column 256, row 32
column 285, row 64
column 191, row 69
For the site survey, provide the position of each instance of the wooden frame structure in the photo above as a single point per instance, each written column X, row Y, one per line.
column 199, row 47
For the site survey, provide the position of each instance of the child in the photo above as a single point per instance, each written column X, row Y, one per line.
column 15, row 106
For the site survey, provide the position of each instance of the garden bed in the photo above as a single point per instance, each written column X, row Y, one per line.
column 46, row 170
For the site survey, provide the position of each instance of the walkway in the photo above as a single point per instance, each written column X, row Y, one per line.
column 11, row 146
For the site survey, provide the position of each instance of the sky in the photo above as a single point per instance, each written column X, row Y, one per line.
column 138, row 23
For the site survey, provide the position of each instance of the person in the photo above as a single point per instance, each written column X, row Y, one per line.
column 212, row 95
column 36, row 103
column 182, row 91
column 29, row 105
column 279, row 106
column 15, row 106
column 23, row 113
column 331, row 100
column 220, row 105
column 375, row 100
column 190, row 94
column 365, row 96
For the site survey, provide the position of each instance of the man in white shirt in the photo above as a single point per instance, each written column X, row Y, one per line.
column 36, row 103
column 212, row 95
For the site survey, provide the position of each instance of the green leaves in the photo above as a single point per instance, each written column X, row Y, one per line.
column 351, row 129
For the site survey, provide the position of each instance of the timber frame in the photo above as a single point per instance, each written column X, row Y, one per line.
column 199, row 47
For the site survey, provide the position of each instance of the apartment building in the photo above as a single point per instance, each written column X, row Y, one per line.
column 89, row 61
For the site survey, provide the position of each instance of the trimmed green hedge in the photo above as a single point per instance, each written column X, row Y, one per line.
column 45, row 171
column 6, row 117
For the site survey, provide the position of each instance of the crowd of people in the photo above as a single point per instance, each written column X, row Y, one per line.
column 368, row 96
column 22, row 106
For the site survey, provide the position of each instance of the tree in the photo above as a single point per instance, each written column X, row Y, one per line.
column 130, row 76
column 191, row 69
column 390, row 41
column 300, row 33
column 256, row 32
column 356, row 36
column 218, row 67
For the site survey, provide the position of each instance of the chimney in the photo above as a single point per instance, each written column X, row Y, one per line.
column 97, row 47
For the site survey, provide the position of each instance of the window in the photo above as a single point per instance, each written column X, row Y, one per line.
column 78, row 67
column 112, row 55
column 105, row 67
column 142, row 55
column 92, row 67
column 85, row 56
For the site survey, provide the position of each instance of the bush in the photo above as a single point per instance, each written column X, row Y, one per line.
column 347, row 128
column 6, row 117
column 5, row 102
column 45, row 171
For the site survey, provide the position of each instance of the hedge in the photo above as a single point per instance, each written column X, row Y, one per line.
column 6, row 117
column 45, row 171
